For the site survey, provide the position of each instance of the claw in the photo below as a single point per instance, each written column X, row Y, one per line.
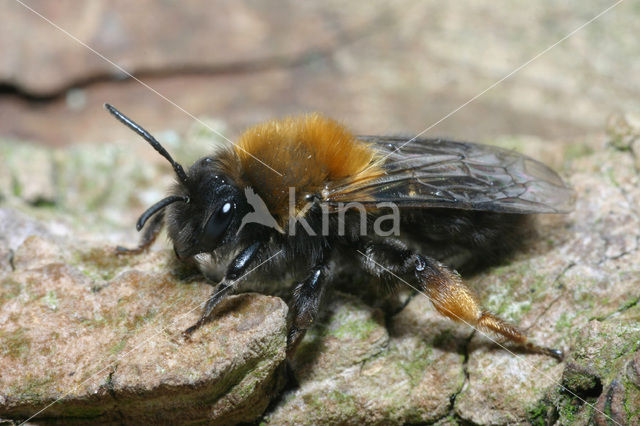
column 189, row 331
column 120, row 250
column 558, row 354
column 555, row 353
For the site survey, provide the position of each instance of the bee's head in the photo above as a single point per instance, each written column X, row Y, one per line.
column 212, row 213
column 205, row 209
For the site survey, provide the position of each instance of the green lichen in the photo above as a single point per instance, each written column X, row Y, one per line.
column 33, row 387
column 418, row 364
column 15, row 345
column 100, row 264
column 16, row 187
column 117, row 348
column 358, row 329
column 538, row 414
column 631, row 401
column 251, row 380
column 564, row 322
column 609, row 172
column 9, row 289
column 630, row 303
column 334, row 401
column 580, row 381
column 574, row 151
column 501, row 297
column 342, row 399
column 568, row 411
column 97, row 321
column 51, row 300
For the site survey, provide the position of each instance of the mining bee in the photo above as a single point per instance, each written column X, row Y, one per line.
column 449, row 205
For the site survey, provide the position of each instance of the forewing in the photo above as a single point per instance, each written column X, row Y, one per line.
column 461, row 175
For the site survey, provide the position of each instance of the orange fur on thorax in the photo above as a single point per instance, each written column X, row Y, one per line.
column 309, row 152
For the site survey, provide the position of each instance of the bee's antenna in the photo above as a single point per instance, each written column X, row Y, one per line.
column 157, row 207
column 152, row 141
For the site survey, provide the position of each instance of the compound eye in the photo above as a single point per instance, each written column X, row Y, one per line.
column 217, row 224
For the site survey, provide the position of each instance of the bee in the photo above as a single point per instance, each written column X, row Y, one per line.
column 280, row 200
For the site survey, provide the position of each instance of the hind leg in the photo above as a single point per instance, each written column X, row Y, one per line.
column 449, row 295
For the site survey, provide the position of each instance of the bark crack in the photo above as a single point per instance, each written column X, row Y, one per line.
column 556, row 280
column 248, row 66
column 465, row 382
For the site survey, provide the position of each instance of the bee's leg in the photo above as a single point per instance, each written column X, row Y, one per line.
column 236, row 271
column 221, row 291
column 452, row 298
column 444, row 287
column 151, row 232
column 306, row 301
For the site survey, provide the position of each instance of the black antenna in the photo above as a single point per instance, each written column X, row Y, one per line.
column 152, row 141
column 157, row 207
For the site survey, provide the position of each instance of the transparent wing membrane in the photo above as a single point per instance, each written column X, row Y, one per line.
column 441, row 173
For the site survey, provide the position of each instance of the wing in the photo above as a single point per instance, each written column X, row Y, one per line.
column 441, row 173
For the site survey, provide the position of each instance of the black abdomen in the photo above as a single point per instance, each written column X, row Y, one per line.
column 464, row 239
